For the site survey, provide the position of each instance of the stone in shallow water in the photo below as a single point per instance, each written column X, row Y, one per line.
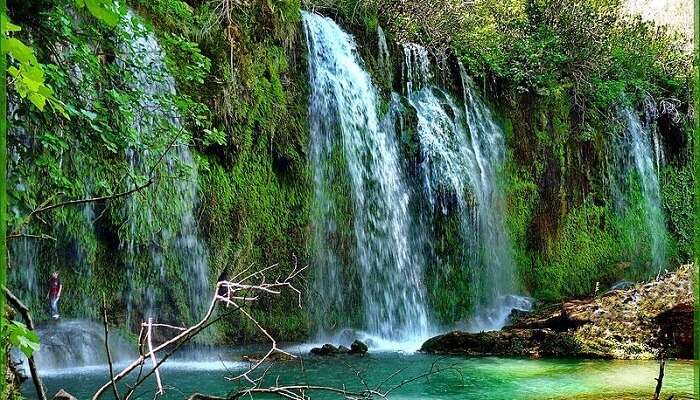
column 325, row 350
column 533, row 343
column 358, row 347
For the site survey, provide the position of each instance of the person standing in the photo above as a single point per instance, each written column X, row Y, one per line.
column 54, row 294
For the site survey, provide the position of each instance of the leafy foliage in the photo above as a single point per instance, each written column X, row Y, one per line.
column 27, row 73
column 27, row 341
column 106, row 11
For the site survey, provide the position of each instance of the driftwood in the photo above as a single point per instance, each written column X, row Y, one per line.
column 17, row 304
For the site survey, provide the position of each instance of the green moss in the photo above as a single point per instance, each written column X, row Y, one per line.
column 584, row 254
column 677, row 192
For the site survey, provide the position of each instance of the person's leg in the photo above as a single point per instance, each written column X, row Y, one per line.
column 54, row 308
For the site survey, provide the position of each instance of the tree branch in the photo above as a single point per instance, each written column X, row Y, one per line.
column 233, row 291
column 41, row 236
column 660, row 379
column 109, row 354
column 17, row 304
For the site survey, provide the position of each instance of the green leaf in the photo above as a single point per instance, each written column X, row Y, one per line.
column 20, row 336
column 13, row 71
column 19, row 51
column 102, row 10
column 8, row 26
column 38, row 100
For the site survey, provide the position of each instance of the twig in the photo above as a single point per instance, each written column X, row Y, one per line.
column 17, row 304
column 149, row 340
column 660, row 379
column 109, row 354
column 41, row 236
column 235, row 292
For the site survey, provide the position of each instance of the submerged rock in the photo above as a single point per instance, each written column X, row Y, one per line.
column 646, row 320
column 274, row 357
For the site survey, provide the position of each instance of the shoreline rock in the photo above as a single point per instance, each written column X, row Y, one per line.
column 356, row 348
column 644, row 321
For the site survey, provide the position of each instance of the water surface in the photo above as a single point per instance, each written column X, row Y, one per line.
column 471, row 378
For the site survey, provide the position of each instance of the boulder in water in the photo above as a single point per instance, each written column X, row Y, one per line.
column 358, row 347
column 63, row 395
column 533, row 343
column 325, row 350
column 78, row 343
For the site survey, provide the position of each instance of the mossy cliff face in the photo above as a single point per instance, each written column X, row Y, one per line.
column 242, row 95
column 241, row 100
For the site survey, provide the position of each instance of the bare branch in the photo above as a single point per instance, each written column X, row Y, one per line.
column 17, row 304
column 41, row 236
column 47, row 206
column 234, row 292
column 149, row 340
column 109, row 354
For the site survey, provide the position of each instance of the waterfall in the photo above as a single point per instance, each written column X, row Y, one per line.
column 165, row 215
column 462, row 152
column 384, row 58
column 639, row 157
column 343, row 114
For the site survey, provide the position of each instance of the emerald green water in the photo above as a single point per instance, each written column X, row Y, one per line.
column 472, row 378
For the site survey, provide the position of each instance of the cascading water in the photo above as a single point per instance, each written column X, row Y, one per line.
column 384, row 58
column 23, row 267
column 343, row 113
column 462, row 150
column 142, row 57
column 639, row 157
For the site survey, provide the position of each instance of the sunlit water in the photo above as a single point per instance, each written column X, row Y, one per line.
column 470, row 378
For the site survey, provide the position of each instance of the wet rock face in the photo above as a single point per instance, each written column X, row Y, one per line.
column 646, row 320
column 675, row 335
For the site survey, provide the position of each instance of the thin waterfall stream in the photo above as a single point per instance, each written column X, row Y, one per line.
column 639, row 157
column 463, row 150
column 142, row 57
